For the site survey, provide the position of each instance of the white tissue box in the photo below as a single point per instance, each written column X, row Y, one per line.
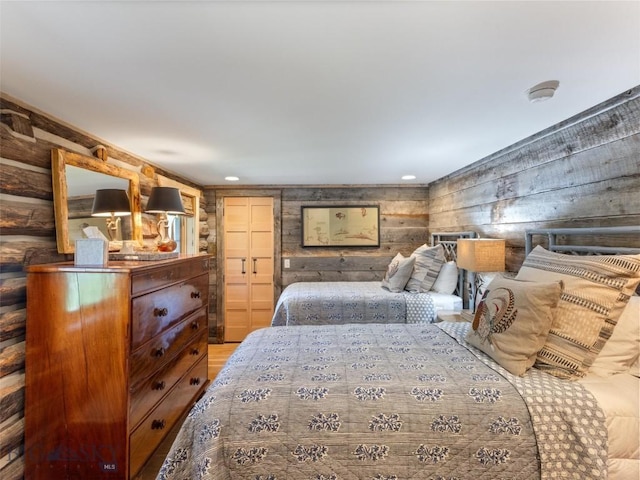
column 91, row 252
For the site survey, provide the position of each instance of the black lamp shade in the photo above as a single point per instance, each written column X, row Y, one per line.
column 165, row 200
column 110, row 201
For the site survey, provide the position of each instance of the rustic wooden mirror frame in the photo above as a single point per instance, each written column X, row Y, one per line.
column 59, row 161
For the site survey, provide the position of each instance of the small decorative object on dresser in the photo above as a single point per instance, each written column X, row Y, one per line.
column 115, row 355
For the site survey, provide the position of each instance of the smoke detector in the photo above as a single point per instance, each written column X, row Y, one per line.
column 543, row 91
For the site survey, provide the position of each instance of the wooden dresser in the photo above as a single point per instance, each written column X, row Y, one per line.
column 114, row 357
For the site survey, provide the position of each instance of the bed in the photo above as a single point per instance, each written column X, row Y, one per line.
column 421, row 401
column 326, row 303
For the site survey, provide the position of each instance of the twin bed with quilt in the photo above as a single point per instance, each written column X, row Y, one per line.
column 413, row 290
column 543, row 384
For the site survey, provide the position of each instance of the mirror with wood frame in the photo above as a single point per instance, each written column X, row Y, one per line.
column 76, row 177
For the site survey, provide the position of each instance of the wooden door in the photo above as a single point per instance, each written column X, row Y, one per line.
column 248, row 265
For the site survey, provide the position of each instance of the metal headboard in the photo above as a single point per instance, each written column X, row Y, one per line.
column 566, row 247
column 449, row 240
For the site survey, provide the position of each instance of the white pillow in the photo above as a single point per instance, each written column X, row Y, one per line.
column 622, row 348
column 447, row 280
column 398, row 273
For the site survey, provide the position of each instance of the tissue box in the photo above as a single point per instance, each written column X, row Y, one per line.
column 91, row 252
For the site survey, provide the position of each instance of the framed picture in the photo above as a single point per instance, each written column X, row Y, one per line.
column 337, row 226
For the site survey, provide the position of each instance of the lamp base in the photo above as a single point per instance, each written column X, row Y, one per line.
column 167, row 245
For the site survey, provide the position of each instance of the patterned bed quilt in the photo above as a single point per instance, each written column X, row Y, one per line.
column 384, row 402
column 332, row 303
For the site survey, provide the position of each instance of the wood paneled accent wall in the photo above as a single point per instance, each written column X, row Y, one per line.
column 404, row 221
column 27, row 236
column 583, row 172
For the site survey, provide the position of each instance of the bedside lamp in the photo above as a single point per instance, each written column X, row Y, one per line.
column 112, row 204
column 480, row 255
column 165, row 201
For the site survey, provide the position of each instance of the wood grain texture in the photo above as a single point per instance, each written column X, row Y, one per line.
column 583, row 173
column 25, row 182
column 12, row 290
column 73, row 370
column 12, row 325
column 22, row 218
column 83, row 365
column 11, row 401
column 12, row 359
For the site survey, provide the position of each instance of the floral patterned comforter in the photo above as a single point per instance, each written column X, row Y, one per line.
column 334, row 303
column 383, row 402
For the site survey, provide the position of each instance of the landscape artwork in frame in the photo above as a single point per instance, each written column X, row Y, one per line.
column 348, row 226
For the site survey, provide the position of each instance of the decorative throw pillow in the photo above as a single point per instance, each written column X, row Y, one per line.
column 596, row 290
column 447, row 280
column 429, row 261
column 513, row 320
column 623, row 348
column 398, row 273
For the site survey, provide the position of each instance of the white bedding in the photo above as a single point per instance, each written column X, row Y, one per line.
column 442, row 301
column 619, row 397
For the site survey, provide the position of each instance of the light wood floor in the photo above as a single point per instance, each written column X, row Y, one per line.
column 218, row 355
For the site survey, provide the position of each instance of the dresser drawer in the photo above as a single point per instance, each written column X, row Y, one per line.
column 155, row 354
column 146, row 394
column 161, row 277
column 154, row 312
column 146, row 438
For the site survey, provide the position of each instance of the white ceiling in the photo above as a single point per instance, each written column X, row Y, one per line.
column 315, row 92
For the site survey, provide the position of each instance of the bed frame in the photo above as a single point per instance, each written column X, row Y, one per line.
column 558, row 241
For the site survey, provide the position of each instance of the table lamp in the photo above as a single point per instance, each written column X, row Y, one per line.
column 111, row 203
column 165, row 201
column 480, row 255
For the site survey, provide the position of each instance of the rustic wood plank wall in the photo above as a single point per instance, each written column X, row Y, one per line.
column 583, row 172
column 27, row 236
column 403, row 227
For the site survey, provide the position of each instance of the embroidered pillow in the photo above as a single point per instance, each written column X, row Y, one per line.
column 447, row 280
column 623, row 348
column 398, row 273
column 596, row 290
column 429, row 261
column 513, row 320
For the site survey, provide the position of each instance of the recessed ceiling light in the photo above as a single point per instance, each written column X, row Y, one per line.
column 543, row 91
column 408, row 177
column 231, row 179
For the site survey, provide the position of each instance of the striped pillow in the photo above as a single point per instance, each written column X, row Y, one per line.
column 596, row 290
column 429, row 261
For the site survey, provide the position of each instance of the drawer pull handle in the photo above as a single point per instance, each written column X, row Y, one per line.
column 255, row 266
column 195, row 381
column 195, row 351
column 158, row 424
column 158, row 385
column 243, row 269
column 195, row 294
column 195, row 325
column 160, row 312
column 159, row 352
